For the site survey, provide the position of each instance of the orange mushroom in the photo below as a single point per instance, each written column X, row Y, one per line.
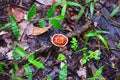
column 59, row 40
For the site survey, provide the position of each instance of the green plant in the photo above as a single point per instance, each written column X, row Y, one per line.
column 12, row 72
column 51, row 11
column 13, row 25
column 48, row 77
column 84, row 8
column 61, row 57
column 28, row 71
column 31, row 12
column 19, row 53
column 97, row 34
column 63, row 67
column 97, row 74
column 118, row 45
column 1, row 66
column 91, row 55
column 33, row 61
column 63, row 71
column 115, row 11
column 74, row 43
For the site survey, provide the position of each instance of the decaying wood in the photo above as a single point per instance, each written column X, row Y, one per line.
column 80, row 30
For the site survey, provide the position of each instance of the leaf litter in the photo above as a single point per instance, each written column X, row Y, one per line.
column 41, row 36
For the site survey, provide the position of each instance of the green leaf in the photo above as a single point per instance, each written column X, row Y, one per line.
column 98, row 72
column 96, row 1
column 60, row 17
column 50, row 12
column 118, row 45
column 52, row 9
column 61, row 57
column 2, row 64
column 85, row 58
column 28, row 71
column 101, row 31
column 80, row 13
column 31, row 12
column 38, row 64
column 91, row 34
column 31, row 57
column 63, row 71
column 115, row 11
column 55, row 24
column 64, row 10
column 91, row 9
column 74, row 44
column 20, row 51
column 73, row 4
column 14, row 26
column 87, row 1
column 48, row 77
column 104, row 41
column 83, row 49
column 6, row 26
column 16, row 66
column 94, row 55
column 42, row 23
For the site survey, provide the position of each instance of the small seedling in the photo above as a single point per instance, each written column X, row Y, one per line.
column 19, row 53
column 91, row 55
column 74, row 43
column 33, row 61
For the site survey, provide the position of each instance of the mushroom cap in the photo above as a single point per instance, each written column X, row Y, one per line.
column 59, row 40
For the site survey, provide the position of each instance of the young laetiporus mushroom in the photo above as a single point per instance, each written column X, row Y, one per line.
column 59, row 40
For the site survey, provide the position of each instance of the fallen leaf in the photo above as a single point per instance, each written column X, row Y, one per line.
column 17, row 12
column 82, row 72
column 3, row 32
column 10, row 55
column 73, row 17
column 26, row 28
column 20, row 72
column 45, row 2
column 3, row 50
column 38, row 31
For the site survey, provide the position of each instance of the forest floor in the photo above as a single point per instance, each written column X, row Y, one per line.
column 27, row 28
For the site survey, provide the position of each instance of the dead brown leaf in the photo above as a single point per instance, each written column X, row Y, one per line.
column 26, row 28
column 3, row 32
column 45, row 2
column 38, row 30
column 17, row 12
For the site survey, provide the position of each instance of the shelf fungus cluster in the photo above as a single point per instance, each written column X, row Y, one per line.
column 59, row 40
